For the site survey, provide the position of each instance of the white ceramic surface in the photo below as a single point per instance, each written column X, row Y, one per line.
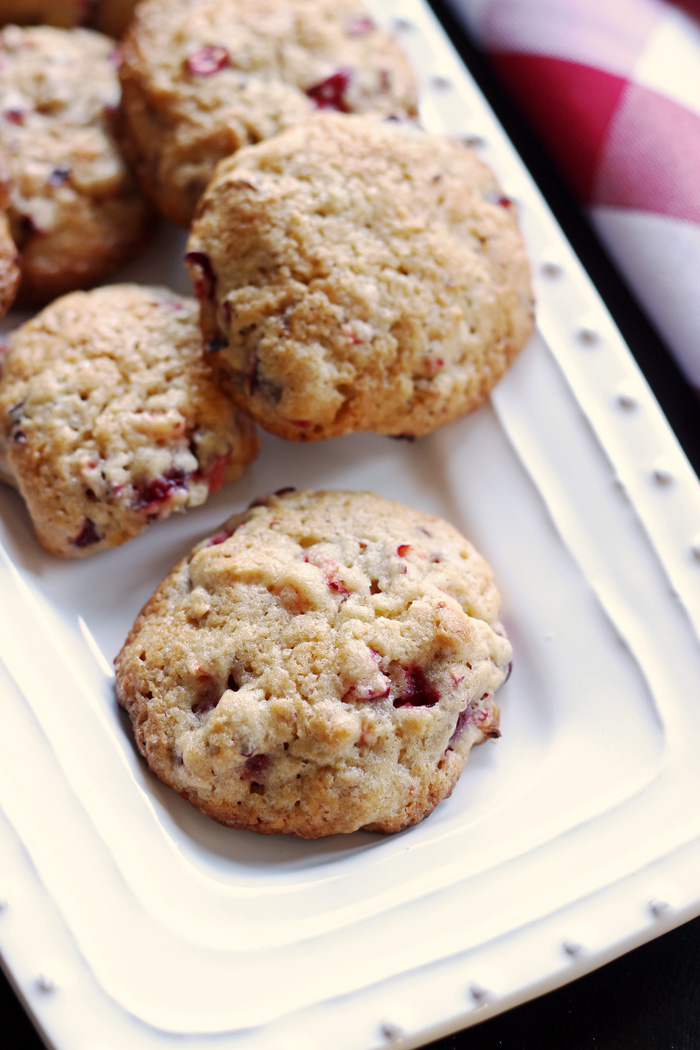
column 129, row 919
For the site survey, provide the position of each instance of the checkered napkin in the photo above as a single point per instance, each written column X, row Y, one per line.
column 613, row 89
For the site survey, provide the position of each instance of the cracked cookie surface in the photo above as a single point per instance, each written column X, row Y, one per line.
column 110, row 418
column 200, row 80
column 323, row 663
column 75, row 211
column 360, row 275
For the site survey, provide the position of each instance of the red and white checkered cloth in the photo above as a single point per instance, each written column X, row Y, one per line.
column 613, row 89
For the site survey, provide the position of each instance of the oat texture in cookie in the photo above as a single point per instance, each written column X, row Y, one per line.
column 111, row 419
column 323, row 663
column 201, row 79
column 75, row 211
column 360, row 275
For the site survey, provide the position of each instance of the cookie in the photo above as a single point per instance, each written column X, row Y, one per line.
column 63, row 13
column 360, row 275
column 113, row 16
column 75, row 212
column 9, row 266
column 9, row 258
column 323, row 663
column 107, row 16
column 110, row 417
column 201, row 79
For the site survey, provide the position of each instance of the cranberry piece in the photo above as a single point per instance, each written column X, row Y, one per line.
column 417, row 690
column 215, row 474
column 255, row 766
column 359, row 26
column 220, row 537
column 88, row 535
column 59, row 175
column 150, row 495
column 208, row 60
column 14, row 116
column 302, row 423
column 501, row 199
column 403, row 549
column 202, row 274
column 462, row 719
column 330, row 93
column 207, row 700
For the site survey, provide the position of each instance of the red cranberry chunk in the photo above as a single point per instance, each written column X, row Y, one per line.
column 403, row 549
column 150, row 495
column 359, row 26
column 207, row 700
column 202, row 273
column 255, row 766
column 88, row 535
column 330, row 93
column 416, row 690
column 208, row 60
column 220, row 537
column 462, row 719
column 59, row 175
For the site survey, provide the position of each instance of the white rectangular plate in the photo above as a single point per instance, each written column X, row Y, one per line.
column 129, row 919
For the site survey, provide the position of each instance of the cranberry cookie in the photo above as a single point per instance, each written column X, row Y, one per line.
column 75, row 212
column 324, row 663
column 9, row 258
column 360, row 275
column 63, row 13
column 110, row 418
column 113, row 16
column 108, row 16
column 201, row 79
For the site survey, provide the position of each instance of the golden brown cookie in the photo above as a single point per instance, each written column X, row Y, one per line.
column 360, row 275
column 75, row 212
column 62, row 13
column 202, row 79
column 110, row 418
column 323, row 663
column 9, row 256
column 112, row 16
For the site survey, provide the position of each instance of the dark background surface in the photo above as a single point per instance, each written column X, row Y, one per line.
column 648, row 999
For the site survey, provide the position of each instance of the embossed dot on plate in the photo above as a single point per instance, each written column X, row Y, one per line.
column 627, row 401
column 402, row 25
column 658, row 907
column 550, row 265
column 391, row 1030
column 587, row 334
column 441, row 83
column 474, row 141
column 661, row 475
column 572, row 948
column 478, row 994
column 45, row 983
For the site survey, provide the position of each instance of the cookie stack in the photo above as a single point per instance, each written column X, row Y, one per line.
column 326, row 661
